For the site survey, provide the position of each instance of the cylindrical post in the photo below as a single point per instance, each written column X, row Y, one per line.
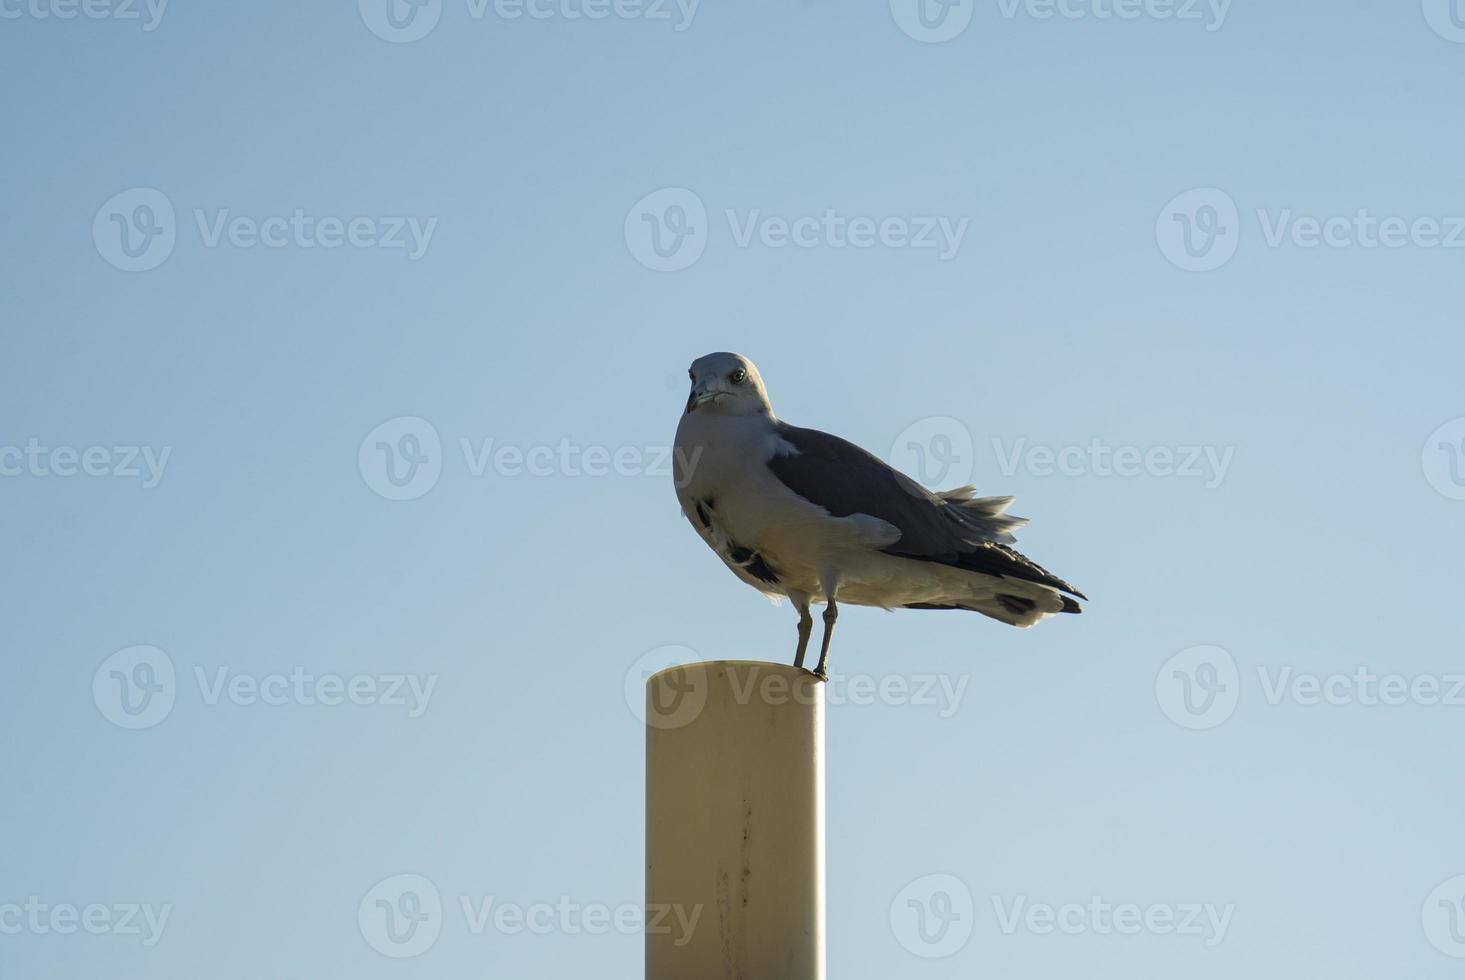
column 734, row 823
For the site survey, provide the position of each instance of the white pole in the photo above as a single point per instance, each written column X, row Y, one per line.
column 734, row 822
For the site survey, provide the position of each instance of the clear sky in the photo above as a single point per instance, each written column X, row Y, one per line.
column 1069, row 251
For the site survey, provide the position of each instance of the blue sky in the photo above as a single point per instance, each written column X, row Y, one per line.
column 1183, row 277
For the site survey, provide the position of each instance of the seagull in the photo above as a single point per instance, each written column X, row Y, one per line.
column 802, row 514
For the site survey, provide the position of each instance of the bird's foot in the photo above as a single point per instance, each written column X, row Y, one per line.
column 821, row 672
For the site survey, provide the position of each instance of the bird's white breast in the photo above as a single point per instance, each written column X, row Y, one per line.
column 722, row 462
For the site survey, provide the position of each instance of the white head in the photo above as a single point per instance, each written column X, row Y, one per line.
column 727, row 384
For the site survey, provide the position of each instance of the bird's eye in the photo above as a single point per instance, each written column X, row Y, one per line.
column 691, row 375
column 738, row 376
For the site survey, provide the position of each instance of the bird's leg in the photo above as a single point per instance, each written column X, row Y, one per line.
column 831, row 613
column 806, row 626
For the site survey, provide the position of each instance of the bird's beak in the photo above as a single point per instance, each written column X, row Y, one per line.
column 699, row 396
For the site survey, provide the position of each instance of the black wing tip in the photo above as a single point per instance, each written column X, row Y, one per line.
column 1015, row 604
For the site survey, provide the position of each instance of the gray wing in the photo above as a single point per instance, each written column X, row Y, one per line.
column 953, row 528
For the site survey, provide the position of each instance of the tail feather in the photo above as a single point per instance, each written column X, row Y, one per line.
column 985, row 515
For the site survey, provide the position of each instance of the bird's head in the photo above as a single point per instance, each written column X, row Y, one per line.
column 727, row 384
